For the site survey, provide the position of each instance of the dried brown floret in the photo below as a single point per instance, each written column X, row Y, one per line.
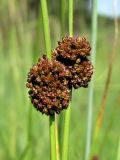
column 48, row 84
column 72, row 48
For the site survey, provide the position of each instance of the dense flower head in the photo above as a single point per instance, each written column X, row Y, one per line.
column 81, row 73
column 72, row 48
column 48, row 86
column 73, row 53
column 50, row 81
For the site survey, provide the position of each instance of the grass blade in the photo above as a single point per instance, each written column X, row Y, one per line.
column 52, row 138
column 46, row 28
column 70, row 17
column 66, row 133
column 68, row 111
column 61, row 116
column 91, row 89
column 52, row 122
column 57, row 141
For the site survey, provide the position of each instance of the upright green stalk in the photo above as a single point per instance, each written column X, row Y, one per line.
column 66, row 133
column 61, row 115
column 46, row 28
column 91, row 89
column 57, row 141
column 52, row 138
column 38, row 35
column 68, row 111
column 70, row 17
column 62, row 17
column 52, row 122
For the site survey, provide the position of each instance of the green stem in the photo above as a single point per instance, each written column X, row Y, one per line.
column 52, row 122
column 91, row 89
column 68, row 111
column 52, row 138
column 46, row 28
column 61, row 115
column 62, row 17
column 57, row 141
column 70, row 17
column 37, row 45
column 66, row 133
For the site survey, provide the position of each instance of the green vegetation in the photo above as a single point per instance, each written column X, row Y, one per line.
column 66, row 125
column 52, row 122
column 24, row 132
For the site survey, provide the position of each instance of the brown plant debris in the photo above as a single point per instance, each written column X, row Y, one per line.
column 48, row 86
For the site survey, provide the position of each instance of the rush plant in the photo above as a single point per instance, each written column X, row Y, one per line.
column 50, row 81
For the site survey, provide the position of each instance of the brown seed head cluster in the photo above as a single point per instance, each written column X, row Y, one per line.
column 73, row 52
column 48, row 84
column 50, row 81
column 81, row 73
column 72, row 48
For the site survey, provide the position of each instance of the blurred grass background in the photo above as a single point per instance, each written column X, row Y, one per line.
column 21, row 43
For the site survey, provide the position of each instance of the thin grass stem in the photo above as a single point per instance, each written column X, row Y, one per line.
column 52, row 122
column 66, row 133
column 38, row 35
column 61, row 116
column 52, row 137
column 68, row 111
column 63, row 17
column 57, row 141
column 91, row 89
column 70, row 17
column 46, row 28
